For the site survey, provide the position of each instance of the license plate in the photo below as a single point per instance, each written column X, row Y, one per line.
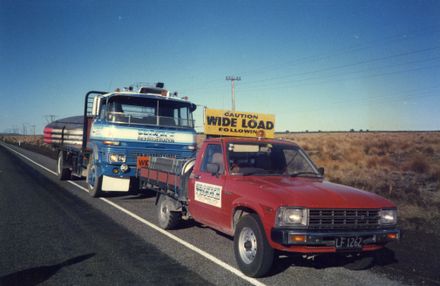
column 353, row 242
column 142, row 161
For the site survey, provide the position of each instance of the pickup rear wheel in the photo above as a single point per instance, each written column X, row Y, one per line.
column 95, row 181
column 62, row 172
column 167, row 219
column 253, row 253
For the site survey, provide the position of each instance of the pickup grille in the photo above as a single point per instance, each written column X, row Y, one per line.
column 343, row 218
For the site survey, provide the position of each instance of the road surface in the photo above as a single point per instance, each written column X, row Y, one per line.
column 54, row 233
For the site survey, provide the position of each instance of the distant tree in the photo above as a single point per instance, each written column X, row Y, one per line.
column 351, row 130
column 287, row 131
column 361, row 130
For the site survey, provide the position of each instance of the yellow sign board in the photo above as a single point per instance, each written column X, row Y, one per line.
column 236, row 123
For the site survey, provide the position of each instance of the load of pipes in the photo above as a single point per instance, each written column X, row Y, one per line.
column 66, row 131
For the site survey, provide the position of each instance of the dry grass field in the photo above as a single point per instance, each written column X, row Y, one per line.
column 401, row 166
column 34, row 143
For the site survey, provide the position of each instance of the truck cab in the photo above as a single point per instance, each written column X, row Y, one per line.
column 126, row 125
column 269, row 195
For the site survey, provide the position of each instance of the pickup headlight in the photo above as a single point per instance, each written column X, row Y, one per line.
column 387, row 217
column 292, row 217
column 116, row 158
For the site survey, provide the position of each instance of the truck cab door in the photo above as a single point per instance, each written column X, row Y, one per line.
column 206, row 187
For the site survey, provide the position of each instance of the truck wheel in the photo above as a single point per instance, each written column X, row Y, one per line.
column 63, row 173
column 167, row 219
column 95, row 182
column 253, row 253
column 360, row 261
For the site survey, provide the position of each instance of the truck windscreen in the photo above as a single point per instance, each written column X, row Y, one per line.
column 269, row 159
column 147, row 111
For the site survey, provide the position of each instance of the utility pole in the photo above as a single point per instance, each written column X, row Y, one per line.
column 50, row 118
column 33, row 128
column 233, row 79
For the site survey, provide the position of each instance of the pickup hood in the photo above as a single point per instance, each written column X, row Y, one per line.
column 312, row 193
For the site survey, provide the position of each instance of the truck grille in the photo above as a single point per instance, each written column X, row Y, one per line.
column 343, row 218
column 132, row 156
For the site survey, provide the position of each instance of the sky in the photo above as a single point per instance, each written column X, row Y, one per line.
column 315, row 65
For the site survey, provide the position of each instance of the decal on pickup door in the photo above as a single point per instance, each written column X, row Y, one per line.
column 208, row 194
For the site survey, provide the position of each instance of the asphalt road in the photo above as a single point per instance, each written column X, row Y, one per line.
column 54, row 233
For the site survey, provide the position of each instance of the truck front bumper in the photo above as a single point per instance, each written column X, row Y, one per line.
column 332, row 240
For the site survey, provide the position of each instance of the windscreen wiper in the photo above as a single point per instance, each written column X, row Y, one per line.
column 305, row 174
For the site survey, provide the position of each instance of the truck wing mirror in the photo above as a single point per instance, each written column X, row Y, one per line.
column 321, row 171
column 213, row 168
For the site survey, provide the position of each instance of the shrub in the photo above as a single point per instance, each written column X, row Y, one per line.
column 418, row 164
column 429, row 151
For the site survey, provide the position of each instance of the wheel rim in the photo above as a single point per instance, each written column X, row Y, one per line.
column 247, row 245
column 164, row 211
column 92, row 177
column 59, row 164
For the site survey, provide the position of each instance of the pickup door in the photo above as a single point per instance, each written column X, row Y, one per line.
column 206, row 190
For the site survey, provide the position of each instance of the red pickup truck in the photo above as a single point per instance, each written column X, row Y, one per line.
column 270, row 196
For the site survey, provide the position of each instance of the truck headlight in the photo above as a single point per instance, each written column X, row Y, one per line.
column 292, row 217
column 387, row 217
column 116, row 158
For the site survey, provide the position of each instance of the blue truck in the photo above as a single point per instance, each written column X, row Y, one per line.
column 117, row 134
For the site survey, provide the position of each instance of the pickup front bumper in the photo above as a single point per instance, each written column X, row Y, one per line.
column 334, row 239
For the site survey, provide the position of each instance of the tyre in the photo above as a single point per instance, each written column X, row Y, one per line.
column 359, row 261
column 62, row 172
column 134, row 186
column 94, row 181
column 253, row 253
column 166, row 218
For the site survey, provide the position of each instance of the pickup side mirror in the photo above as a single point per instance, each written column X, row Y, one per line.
column 321, row 171
column 213, row 168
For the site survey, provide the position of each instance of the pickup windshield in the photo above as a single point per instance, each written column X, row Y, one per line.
column 147, row 111
column 269, row 159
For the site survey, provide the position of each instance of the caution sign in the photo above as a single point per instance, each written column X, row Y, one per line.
column 236, row 123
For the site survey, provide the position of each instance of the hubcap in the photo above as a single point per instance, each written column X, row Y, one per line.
column 164, row 211
column 247, row 245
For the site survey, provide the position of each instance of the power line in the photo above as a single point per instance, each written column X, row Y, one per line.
column 394, row 38
column 416, row 94
column 425, row 31
column 348, row 65
column 297, row 82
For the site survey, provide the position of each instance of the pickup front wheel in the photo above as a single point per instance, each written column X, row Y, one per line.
column 253, row 253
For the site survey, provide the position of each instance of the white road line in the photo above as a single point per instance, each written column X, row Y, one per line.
column 192, row 247
column 29, row 159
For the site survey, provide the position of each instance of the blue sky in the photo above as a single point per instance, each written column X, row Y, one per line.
column 316, row 65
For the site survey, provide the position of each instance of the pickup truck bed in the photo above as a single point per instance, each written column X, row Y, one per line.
column 166, row 175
